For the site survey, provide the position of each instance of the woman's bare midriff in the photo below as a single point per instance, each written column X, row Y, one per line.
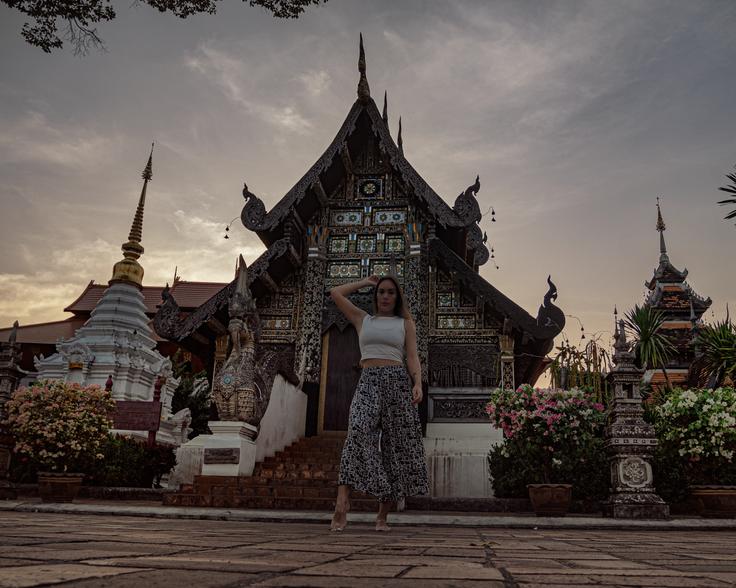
column 378, row 362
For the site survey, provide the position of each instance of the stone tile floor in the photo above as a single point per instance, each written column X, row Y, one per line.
column 40, row 549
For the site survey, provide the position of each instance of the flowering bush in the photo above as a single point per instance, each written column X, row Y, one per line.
column 551, row 433
column 699, row 426
column 62, row 427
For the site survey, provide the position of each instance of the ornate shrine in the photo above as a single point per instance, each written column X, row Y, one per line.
column 682, row 307
column 362, row 209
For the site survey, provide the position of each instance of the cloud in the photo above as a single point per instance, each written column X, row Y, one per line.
column 237, row 80
column 316, row 83
column 31, row 138
column 34, row 298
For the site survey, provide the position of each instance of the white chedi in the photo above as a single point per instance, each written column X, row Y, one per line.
column 117, row 341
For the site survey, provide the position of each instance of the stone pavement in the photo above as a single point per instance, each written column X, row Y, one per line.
column 40, row 549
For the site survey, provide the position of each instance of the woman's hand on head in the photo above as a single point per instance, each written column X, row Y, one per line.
column 372, row 280
column 416, row 393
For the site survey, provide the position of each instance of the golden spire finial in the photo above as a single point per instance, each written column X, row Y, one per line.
column 660, row 222
column 128, row 269
column 661, row 228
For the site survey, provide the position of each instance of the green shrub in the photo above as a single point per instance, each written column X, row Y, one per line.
column 514, row 464
column 131, row 463
column 126, row 462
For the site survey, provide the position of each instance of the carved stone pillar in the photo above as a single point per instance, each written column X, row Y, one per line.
column 630, row 444
column 416, row 288
column 308, row 353
column 10, row 375
column 506, row 362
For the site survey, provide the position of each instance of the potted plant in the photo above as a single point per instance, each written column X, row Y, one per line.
column 699, row 425
column 550, row 428
column 62, row 427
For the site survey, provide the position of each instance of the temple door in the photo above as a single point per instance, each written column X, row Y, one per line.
column 340, row 373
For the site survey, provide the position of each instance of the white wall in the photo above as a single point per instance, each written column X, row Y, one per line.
column 284, row 420
column 456, row 458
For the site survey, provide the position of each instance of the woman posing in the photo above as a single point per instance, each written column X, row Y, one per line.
column 383, row 454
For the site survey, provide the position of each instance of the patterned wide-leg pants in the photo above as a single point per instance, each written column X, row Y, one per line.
column 383, row 454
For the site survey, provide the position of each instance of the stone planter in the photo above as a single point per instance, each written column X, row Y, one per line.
column 550, row 500
column 715, row 502
column 59, row 487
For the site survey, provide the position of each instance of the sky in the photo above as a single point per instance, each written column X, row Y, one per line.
column 576, row 115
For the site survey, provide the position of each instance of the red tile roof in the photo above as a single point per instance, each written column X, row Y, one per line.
column 191, row 295
column 188, row 295
column 45, row 332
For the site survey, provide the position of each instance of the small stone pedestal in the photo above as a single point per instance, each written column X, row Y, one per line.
column 229, row 451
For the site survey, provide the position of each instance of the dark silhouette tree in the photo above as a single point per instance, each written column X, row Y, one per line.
column 79, row 17
column 730, row 190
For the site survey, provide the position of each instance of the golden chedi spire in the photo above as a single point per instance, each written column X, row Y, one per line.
column 128, row 269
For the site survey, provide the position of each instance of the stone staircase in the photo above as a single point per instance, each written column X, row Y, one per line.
column 301, row 477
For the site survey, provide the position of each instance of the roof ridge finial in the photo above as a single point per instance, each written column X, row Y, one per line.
column 364, row 91
column 128, row 269
column 399, row 140
column 661, row 228
column 385, row 108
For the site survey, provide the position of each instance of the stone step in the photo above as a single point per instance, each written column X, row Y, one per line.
column 311, row 460
column 206, row 486
column 266, row 502
column 301, row 476
column 295, row 467
column 282, row 491
column 317, row 474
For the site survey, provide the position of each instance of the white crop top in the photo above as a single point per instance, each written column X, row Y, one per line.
column 382, row 338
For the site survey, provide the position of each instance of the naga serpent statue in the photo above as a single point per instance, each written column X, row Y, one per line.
column 234, row 385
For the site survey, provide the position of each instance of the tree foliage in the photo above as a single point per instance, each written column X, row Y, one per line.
column 584, row 368
column 652, row 346
column 730, row 190
column 717, row 343
column 78, row 18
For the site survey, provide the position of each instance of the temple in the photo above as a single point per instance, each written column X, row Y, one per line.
column 682, row 307
column 362, row 209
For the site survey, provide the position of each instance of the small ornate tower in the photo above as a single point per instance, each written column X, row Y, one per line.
column 630, row 443
column 682, row 308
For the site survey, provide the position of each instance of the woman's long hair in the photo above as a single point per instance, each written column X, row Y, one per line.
column 400, row 308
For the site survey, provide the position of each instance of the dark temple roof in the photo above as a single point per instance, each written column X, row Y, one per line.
column 549, row 322
column 363, row 118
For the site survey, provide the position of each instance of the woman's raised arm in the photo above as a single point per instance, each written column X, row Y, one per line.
column 340, row 293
